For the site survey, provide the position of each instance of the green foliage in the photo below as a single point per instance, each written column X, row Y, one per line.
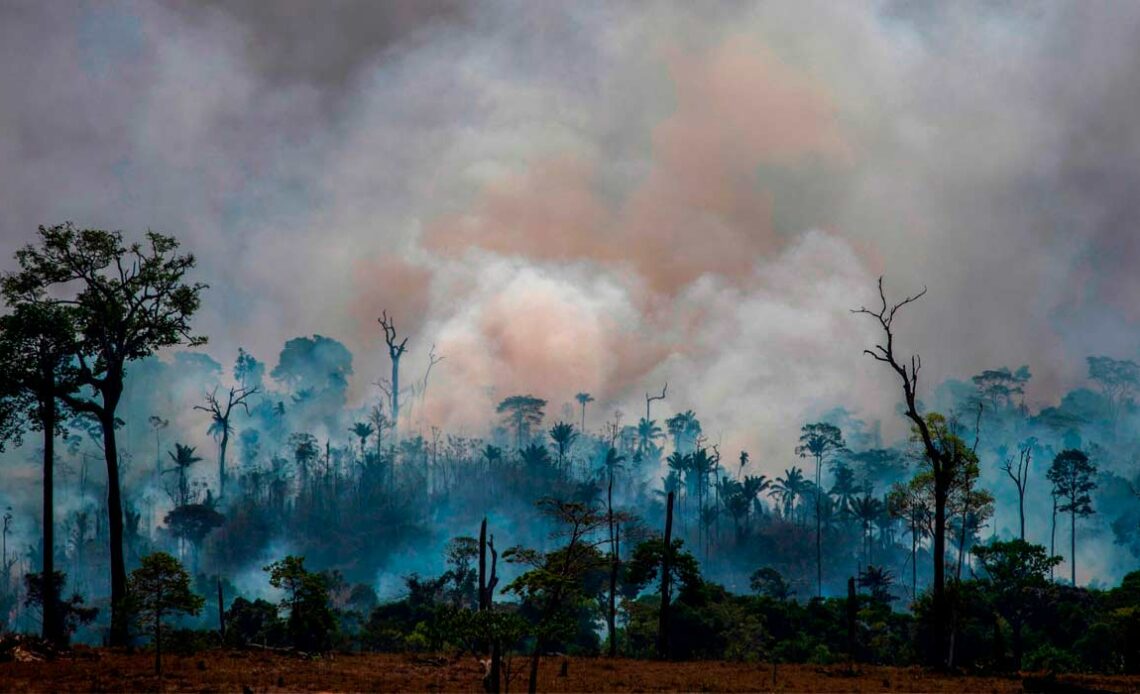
column 158, row 589
column 311, row 623
column 256, row 622
column 73, row 612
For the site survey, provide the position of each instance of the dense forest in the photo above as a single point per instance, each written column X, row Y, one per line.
column 311, row 525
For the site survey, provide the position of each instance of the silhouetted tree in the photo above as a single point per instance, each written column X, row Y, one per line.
column 819, row 441
column 220, row 427
column 396, row 349
column 522, row 413
column 311, row 621
column 1072, row 475
column 942, row 460
column 563, row 435
column 1018, row 471
column 160, row 588
column 130, row 300
column 37, row 344
column 1015, row 573
column 583, row 399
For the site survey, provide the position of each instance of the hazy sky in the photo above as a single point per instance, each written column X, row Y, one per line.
column 605, row 196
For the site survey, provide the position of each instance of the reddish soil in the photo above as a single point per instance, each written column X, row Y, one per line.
column 236, row 671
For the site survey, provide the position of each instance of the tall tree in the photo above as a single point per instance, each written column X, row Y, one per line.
column 1072, row 475
column 362, row 431
column 129, row 300
column 820, row 441
column 220, row 426
column 1017, row 468
column 522, row 413
column 37, row 341
column 1118, row 379
column 583, row 399
column 396, row 349
column 942, row 460
column 562, row 434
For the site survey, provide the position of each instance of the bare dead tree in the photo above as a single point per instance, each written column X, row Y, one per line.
column 1019, row 472
column 220, row 427
column 941, row 461
column 650, row 398
column 395, row 352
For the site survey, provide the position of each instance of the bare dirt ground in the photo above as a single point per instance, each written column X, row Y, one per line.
column 238, row 671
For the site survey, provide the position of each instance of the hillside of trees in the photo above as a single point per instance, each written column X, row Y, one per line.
column 311, row 525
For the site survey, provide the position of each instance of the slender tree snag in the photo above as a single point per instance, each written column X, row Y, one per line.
column 666, row 568
column 940, row 462
column 221, row 611
column 395, row 351
column 583, row 399
column 650, row 398
column 611, row 612
column 483, row 565
column 221, row 428
column 1019, row 473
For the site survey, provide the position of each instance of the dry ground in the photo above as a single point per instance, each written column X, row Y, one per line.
column 234, row 671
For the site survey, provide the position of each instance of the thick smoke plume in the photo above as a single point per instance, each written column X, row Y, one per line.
column 604, row 197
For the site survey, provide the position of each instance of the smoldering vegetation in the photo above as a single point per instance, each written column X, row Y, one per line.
column 321, row 525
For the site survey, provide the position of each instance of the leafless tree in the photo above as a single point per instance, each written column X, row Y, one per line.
column 395, row 352
column 1019, row 472
column 650, row 398
column 220, row 426
column 941, row 461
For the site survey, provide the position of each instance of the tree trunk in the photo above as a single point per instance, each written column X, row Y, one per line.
column 818, row 537
column 939, row 583
column 50, row 629
column 914, row 562
column 119, row 626
column 1015, row 626
column 1053, row 536
column 532, row 683
column 222, row 458
column 666, row 568
column 1073, row 547
column 1021, row 511
column 483, row 565
column 158, row 633
column 221, row 612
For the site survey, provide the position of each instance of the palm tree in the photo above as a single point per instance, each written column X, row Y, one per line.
column 752, row 488
column 819, row 441
column 362, row 430
column 563, row 435
column 183, row 457
column 536, row 459
column 788, row 488
column 845, row 488
column 582, row 399
column 683, row 427
column 647, row 434
column 866, row 509
column 879, row 581
column 702, row 465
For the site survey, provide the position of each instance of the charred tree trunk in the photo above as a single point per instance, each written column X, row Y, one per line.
column 1073, row 546
column 119, row 626
column 610, row 614
column 221, row 612
column 51, row 629
column 666, row 570
column 483, row 565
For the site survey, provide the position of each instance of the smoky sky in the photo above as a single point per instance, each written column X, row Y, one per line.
column 606, row 196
